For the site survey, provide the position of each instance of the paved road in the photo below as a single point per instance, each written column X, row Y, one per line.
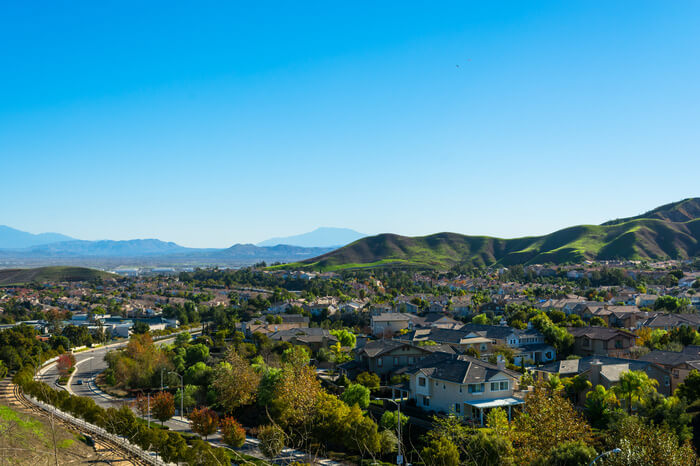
column 91, row 362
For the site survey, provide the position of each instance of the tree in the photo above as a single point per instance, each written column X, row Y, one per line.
column 670, row 412
column 232, row 432
column 356, row 394
column 174, row 449
column 345, row 337
column 235, row 382
column 597, row 322
column 271, row 439
column 189, row 398
column 204, row 421
column 196, row 353
column 142, row 405
column 140, row 328
column 690, row 388
column 182, row 339
column 497, row 421
column 441, row 452
column 600, row 406
column 548, row 419
column 633, row 386
column 296, row 395
column 368, row 379
column 65, row 362
column 570, row 453
column 574, row 386
column 641, row 444
column 390, row 419
column 199, row 374
column 481, row 319
column 296, row 356
column 163, row 406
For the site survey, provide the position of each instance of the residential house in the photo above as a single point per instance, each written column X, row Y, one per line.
column 603, row 370
column 439, row 320
column 392, row 322
column 678, row 363
column 315, row 338
column 387, row 356
column 464, row 386
column 289, row 321
column 602, row 341
column 667, row 321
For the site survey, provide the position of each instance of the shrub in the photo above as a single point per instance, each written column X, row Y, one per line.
column 232, row 432
column 271, row 440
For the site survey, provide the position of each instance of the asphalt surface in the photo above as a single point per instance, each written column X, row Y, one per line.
column 88, row 364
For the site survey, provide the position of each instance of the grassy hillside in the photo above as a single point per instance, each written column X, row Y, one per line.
column 637, row 238
column 681, row 211
column 50, row 274
column 29, row 440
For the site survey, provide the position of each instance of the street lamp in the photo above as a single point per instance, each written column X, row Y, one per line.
column 605, row 453
column 182, row 393
column 399, row 458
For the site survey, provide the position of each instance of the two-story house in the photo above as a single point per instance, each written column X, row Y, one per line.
column 464, row 386
column 385, row 356
column 602, row 341
column 390, row 323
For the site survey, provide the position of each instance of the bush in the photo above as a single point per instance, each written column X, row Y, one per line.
column 232, row 432
column 271, row 440
column 368, row 379
column 356, row 394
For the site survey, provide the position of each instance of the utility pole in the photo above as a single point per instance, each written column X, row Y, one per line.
column 182, row 394
column 399, row 457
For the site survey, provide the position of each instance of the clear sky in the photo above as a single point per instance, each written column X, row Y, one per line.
column 212, row 123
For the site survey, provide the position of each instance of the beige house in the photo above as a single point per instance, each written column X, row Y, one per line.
column 463, row 386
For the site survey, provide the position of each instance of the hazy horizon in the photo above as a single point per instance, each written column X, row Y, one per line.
column 211, row 125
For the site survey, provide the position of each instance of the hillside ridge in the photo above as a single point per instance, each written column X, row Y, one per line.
column 637, row 238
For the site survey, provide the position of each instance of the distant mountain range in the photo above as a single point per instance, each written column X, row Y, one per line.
column 11, row 238
column 57, row 250
column 323, row 237
column 670, row 231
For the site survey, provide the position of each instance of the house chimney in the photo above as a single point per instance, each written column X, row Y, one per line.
column 500, row 362
column 596, row 367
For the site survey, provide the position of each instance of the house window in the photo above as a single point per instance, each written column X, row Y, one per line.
column 618, row 344
column 411, row 360
column 421, row 382
column 483, row 347
column 396, row 360
column 437, row 384
column 460, row 389
column 380, row 362
column 667, row 380
column 475, row 388
column 586, row 342
column 444, row 387
column 499, row 386
column 457, row 408
column 426, row 401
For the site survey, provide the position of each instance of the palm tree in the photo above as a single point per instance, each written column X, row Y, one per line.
column 575, row 385
column 599, row 406
column 633, row 386
column 554, row 383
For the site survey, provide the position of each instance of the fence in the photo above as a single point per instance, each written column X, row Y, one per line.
column 100, row 432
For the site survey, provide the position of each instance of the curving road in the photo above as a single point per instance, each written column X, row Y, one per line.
column 90, row 363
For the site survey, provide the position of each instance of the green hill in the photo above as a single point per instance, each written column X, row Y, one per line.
column 655, row 237
column 50, row 274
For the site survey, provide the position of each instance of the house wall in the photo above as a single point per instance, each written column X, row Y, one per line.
column 394, row 360
column 444, row 395
column 378, row 328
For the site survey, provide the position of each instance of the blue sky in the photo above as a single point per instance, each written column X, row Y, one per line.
column 212, row 123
